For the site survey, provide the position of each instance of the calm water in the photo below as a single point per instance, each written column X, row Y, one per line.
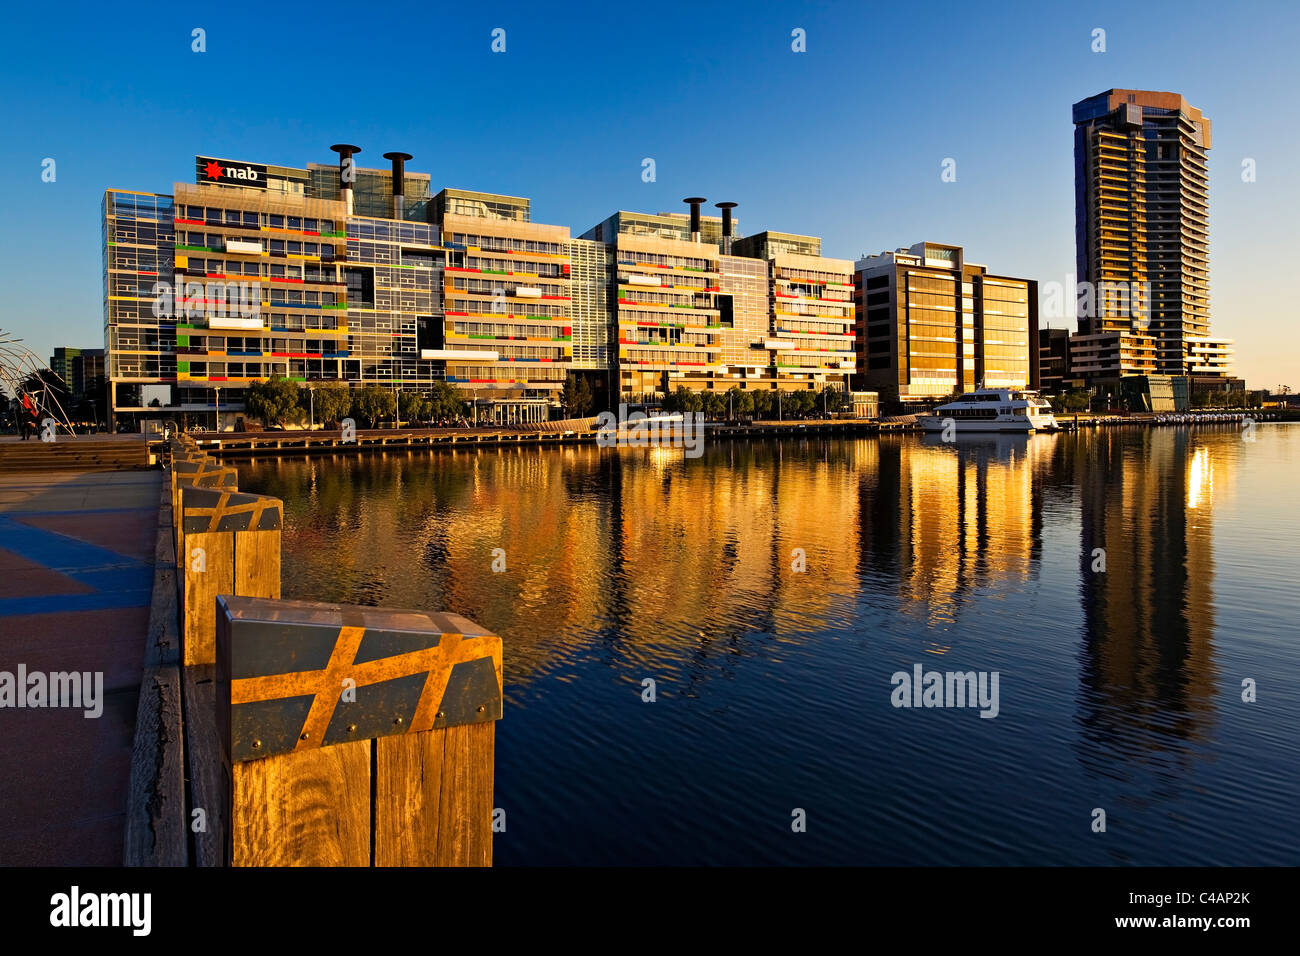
column 1119, row 689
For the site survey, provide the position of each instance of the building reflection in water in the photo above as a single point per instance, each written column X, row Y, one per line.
column 647, row 559
column 1147, row 671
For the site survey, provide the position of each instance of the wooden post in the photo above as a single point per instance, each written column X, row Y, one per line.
column 355, row 735
column 201, row 472
column 230, row 544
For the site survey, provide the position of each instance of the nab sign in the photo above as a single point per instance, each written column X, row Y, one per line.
column 225, row 172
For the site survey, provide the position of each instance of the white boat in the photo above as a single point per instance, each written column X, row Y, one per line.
column 993, row 410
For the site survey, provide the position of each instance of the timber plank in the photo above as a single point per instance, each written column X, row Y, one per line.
column 308, row 808
column 206, row 775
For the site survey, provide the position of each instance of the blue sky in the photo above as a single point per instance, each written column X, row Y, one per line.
column 845, row 140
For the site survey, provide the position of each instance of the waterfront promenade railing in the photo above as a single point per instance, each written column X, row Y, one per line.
column 280, row 733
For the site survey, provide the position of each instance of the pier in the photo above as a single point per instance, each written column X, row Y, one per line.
column 257, row 444
column 332, row 442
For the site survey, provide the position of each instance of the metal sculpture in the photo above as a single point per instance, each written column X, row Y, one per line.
column 32, row 382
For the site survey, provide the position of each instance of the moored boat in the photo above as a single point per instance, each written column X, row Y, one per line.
column 992, row 410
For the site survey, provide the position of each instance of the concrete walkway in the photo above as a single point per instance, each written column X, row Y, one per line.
column 76, row 577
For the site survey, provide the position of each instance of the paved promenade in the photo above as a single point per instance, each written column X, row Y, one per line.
column 76, row 577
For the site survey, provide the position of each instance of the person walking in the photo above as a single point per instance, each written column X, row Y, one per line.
column 26, row 415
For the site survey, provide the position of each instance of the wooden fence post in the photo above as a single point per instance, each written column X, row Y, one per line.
column 230, row 544
column 201, row 472
column 355, row 735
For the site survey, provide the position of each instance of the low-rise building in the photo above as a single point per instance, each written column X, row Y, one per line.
column 930, row 324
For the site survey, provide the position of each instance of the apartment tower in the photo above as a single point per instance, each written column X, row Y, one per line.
column 1142, row 238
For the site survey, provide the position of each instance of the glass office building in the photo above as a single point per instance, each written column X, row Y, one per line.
column 330, row 273
column 339, row 273
column 930, row 324
column 694, row 306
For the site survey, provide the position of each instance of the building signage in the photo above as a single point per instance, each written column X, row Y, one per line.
column 226, row 172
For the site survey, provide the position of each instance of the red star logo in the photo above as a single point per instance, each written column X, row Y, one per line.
column 213, row 169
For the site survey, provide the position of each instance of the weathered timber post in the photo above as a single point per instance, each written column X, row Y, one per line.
column 198, row 472
column 355, row 736
column 230, row 544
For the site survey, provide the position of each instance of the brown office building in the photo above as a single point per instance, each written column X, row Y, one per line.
column 930, row 324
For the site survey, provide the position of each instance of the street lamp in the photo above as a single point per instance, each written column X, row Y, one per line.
column 311, row 406
column 216, row 408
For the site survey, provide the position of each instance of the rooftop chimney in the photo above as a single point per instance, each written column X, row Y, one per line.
column 399, row 182
column 726, row 208
column 695, row 202
column 347, row 172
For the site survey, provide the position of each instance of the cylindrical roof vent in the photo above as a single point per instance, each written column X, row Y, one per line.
column 399, row 182
column 346, row 171
column 695, row 202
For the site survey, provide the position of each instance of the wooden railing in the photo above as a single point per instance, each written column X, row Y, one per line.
column 310, row 733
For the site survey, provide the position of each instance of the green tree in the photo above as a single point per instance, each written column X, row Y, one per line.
column 272, row 401
column 742, row 401
column 373, row 402
column 831, row 400
column 1077, row 400
column 764, row 404
column 415, row 407
column 714, row 404
column 576, row 398
column 446, row 401
column 330, row 403
column 688, row 400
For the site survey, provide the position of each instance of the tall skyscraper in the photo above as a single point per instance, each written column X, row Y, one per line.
column 1142, row 237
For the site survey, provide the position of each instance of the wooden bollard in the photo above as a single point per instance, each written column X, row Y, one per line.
column 355, row 736
column 199, row 472
column 230, row 544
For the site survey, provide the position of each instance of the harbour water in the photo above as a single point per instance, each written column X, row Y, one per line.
column 1122, row 583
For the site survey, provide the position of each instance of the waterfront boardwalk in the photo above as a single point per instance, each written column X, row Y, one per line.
column 76, row 579
column 299, row 442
